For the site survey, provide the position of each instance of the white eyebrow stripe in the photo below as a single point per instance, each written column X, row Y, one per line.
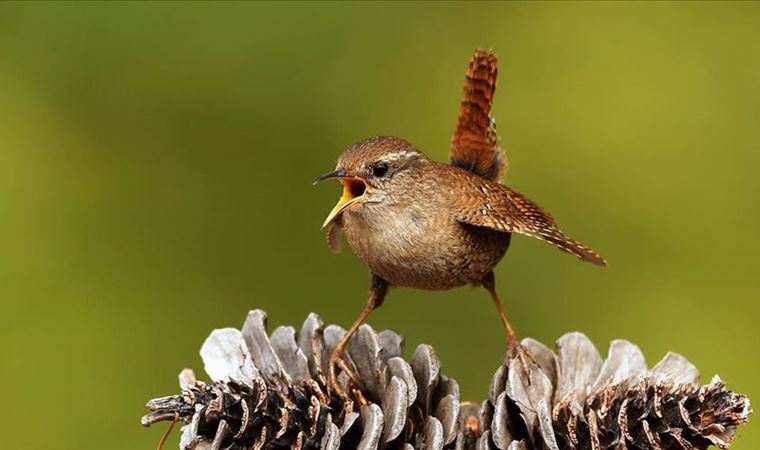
column 403, row 154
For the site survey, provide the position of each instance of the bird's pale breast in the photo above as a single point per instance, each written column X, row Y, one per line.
column 413, row 240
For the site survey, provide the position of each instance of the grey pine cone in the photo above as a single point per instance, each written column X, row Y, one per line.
column 270, row 392
column 573, row 399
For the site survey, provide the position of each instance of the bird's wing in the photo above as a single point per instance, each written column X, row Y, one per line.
column 475, row 145
column 499, row 208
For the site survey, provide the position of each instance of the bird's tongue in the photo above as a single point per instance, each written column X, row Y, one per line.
column 352, row 188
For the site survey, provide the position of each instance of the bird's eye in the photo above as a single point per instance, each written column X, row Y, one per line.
column 380, row 169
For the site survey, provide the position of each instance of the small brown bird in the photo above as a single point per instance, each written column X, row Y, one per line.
column 419, row 223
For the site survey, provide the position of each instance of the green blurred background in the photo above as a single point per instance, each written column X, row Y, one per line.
column 155, row 183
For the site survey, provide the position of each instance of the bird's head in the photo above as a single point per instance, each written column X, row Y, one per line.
column 369, row 171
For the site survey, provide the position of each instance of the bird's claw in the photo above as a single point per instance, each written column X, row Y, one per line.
column 332, row 382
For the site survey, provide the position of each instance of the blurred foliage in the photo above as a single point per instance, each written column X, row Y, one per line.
column 155, row 182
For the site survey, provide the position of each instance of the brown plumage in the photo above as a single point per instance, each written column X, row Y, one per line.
column 475, row 144
column 419, row 223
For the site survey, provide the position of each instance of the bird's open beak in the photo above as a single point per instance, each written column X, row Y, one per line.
column 353, row 189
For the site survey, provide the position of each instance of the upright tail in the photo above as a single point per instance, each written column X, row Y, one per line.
column 475, row 145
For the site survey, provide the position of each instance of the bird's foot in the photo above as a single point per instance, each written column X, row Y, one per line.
column 513, row 342
column 515, row 349
column 336, row 362
column 512, row 339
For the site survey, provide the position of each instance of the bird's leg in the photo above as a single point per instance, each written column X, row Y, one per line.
column 378, row 290
column 489, row 282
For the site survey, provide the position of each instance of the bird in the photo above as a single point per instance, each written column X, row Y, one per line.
column 423, row 224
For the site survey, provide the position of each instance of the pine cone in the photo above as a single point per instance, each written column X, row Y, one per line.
column 574, row 400
column 270, row 392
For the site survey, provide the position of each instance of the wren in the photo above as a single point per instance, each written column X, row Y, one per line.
column 424, row 224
